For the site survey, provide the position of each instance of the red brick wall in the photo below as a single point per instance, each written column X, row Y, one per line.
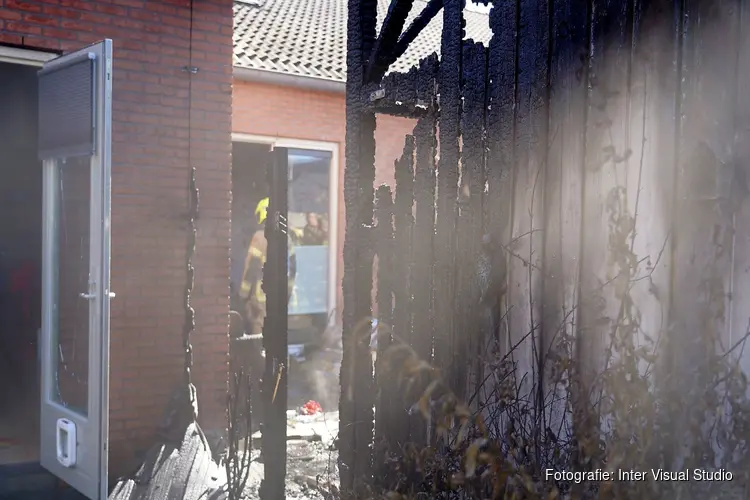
column 294, row 113
column 157, row 132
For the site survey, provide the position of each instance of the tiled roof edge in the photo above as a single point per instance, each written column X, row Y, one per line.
column 289, row 79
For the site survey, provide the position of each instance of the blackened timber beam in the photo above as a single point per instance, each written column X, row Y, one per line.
column 381, row 56
column 411, row 94
column 415, row 28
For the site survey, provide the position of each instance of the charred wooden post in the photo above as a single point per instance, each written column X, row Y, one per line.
column 447, row 208
column 356, row 402
column 423, row 252
column 383, row 379
column 275, row 340
column 531, row 162
column 564, row 181
column 703, row 295
column 424, row 235
column 471, row 227
column 403, row 218
column 500, row 126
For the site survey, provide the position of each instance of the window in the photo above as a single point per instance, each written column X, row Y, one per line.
column 309, row 219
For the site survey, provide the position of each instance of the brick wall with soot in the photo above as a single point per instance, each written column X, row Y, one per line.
column 158, row 129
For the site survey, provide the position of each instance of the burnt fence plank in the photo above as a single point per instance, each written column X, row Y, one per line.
column 355, row 403
column 383, row 377
column 701, row 288
column 449, row 83
column 470, row 228
column 531, row 147
column 403, row 220
column 564, row 194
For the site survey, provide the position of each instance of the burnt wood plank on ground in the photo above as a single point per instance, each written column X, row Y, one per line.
column 176, row 471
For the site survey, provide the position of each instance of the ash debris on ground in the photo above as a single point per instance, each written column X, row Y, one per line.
column 312, row 471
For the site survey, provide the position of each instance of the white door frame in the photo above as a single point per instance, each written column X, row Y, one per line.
column 92, row 482
column 333, row 199
column 37, row 58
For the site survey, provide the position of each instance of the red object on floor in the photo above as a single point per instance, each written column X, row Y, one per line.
column 311, row 408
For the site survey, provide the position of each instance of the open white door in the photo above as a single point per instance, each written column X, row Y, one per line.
column 75, row 102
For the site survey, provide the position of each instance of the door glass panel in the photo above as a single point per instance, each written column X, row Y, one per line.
column 70, row 329
column 309, row 188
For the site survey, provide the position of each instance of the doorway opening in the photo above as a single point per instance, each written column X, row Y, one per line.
column 20, row 265
column 311, row 184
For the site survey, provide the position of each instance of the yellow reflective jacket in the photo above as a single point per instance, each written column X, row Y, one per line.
column 252, row 274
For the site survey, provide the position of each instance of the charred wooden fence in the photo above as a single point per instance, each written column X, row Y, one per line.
column 602, row 143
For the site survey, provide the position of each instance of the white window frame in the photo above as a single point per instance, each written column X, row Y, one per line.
column 333, row 199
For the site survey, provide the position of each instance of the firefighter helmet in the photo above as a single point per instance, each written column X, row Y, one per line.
column 261, row 211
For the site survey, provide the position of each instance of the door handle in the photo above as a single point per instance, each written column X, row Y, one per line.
column 89, row 296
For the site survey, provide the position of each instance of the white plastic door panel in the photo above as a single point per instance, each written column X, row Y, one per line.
column 75, row 95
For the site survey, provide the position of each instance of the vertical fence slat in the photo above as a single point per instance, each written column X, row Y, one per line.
column 607, row 151
column 651, row 168
column 275, row 286
column 383, row 380
column 704, row 221
column 403, row 218
column 470, row 223
column 423, row 257
column 500, row 115
column 740, row 320
column 563, row 197
column 449, row 131
column 356, row 426
column 528, row 196
column 500, row 130
column 423, row 254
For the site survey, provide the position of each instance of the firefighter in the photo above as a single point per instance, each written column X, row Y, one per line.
column 251, row 291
